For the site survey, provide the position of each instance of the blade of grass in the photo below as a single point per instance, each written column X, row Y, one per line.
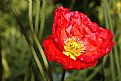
column 32, row 76
column 42, row 19
column 37, row 16
column 43, row 55
column 1, row 71
column 36, row 39
column 30, row 14
column 115, row 47
column 112, row 67
column 110, row 54
column 96, row 70
column 29, row 70
column 103, row 67
column 72, row 4
column 63, row 75
column 115, row 50
column 27, row 75
column 28, row 41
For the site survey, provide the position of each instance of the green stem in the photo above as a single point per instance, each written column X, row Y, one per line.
column 0, row 60
column 30, row 14
column 27, row 75
column 112, row 66
column 111, row 54
column 32, row 74
column 109, row 23
column 38, row 62
column 72, row 4
column 42, row 18
column 96, row 70
column 36, row 39
column 103, row 67
column 63, row 75
column 28, row 41
column 37, row 15
column 115, row 51
column 29, row 70
column 42, row 54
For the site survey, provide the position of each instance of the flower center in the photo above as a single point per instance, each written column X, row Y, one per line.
column 73, row 48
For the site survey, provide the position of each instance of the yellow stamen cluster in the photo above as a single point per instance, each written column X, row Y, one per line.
column 73, row 48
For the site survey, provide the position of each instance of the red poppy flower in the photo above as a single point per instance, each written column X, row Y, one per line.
column 76, row 42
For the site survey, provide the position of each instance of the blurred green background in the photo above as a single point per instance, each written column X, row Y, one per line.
column 16, row 62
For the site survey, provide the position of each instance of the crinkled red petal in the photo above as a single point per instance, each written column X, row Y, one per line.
column 54, row 54
column 97, row 40
column 97, row 45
